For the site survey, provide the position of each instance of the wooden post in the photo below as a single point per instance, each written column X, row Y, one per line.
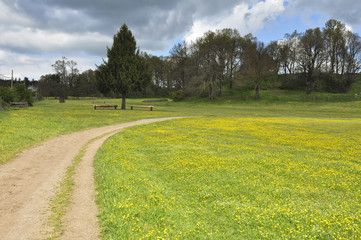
column 12, row 74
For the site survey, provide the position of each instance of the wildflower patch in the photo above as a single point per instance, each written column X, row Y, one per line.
column 236, row 178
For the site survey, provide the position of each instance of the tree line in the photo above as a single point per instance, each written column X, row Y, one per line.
column 67, row 81
column 327, row 59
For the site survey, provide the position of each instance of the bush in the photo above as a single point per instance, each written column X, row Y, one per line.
column 3, row 104
column 6, row 94
column 177, row 95
column 23, row 94
column 292, row 82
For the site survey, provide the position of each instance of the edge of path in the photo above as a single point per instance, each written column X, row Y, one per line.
column 81, row 220
column 29, row 181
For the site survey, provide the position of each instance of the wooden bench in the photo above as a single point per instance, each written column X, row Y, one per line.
column 97, row 106
column 156, row 100
column 134, row 106
column 19, row 104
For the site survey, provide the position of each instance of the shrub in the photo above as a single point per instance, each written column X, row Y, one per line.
column 6, row 94
column 177, row 95
column 3, row 104
column 23, row 94
column 292, row 82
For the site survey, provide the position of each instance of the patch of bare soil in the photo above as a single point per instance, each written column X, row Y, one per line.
column 29, row 181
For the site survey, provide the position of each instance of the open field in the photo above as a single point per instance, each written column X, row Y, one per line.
column 283, row 167
column 232, row 178
column 24, row 128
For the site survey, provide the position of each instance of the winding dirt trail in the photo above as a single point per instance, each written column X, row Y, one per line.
column 29, row 181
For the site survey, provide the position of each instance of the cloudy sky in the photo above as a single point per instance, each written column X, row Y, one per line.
column 36, row 33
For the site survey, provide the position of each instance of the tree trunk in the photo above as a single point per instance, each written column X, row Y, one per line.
column 309, row 83
column 231, row 78
column 220, row 86
column 309, row 88
column 211, row 94
column 258, row 90
column 123, row 101
column 347, row 84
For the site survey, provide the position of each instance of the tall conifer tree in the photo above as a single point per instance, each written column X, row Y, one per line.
column 123, row 70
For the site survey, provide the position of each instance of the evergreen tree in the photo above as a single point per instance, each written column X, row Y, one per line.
column 124, row 70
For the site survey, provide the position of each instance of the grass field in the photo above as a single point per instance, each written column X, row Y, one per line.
column 232, row 178
column 21, row 129
column 285, row 167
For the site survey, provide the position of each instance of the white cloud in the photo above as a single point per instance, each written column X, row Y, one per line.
column 343, row 10
column 244, row 17
column 42, row 41
column 11, row 19
column 22, row 65
column 348, row 27
column 33, row 33
column 33, row 66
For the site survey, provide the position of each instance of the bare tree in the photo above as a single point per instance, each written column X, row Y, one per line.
column 67, row 71
column 311, row 55
column 352, row 59
column 334, row 43
column 73, row 72
column 60, row 68
column 179, row 59
column 206, row 55
column 229, row 49
column 257, row 63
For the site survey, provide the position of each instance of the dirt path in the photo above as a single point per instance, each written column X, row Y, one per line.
column 29, row 181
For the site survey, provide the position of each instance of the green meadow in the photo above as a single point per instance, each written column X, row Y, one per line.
column 23, row 128
column 286, row 167
column 232, row 178
column 20, row 129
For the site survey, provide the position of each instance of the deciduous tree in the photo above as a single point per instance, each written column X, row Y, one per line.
column 67, row 71
column 352, row 59
column 311, row 55
column 257, row 62
column 334, row 32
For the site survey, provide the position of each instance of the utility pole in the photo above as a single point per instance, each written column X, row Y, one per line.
column 12, row 75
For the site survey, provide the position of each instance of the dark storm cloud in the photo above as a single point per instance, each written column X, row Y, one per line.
column 43, row 28
column 154, row 22
column 100, row 16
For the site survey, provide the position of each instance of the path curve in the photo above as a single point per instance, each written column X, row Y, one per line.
column 28, row 182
